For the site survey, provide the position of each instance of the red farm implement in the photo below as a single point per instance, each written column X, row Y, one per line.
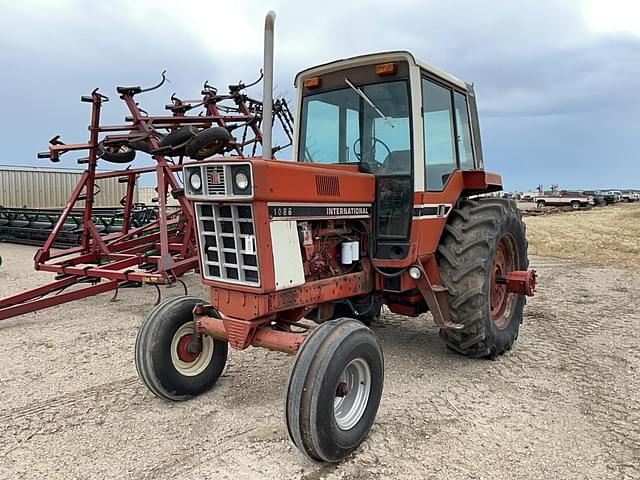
column 160, row 251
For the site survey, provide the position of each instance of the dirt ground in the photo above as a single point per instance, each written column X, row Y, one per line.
column 600, row 236
column 565, row 403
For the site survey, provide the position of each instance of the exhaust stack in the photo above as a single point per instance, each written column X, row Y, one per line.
column 267, row 97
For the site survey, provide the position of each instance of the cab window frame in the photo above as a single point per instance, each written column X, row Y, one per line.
column 426, row 76
column 469, row 131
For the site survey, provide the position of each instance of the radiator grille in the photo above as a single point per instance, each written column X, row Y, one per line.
column 215, row 180
column 328, row 185
column 228, row 243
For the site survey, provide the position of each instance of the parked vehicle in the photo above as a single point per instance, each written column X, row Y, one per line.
column 598, row 197
column 564, row 198
column 528, row 196
column 613, row 196
column 629, row 197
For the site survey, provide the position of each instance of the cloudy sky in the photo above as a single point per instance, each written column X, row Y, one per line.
column 558, row 82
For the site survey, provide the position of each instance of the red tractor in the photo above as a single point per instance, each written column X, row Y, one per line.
column 378, row 207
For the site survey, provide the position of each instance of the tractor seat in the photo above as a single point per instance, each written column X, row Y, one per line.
column 398, row 162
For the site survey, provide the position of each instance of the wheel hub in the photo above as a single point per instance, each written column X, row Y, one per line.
column 183, row 349
column 342, row 390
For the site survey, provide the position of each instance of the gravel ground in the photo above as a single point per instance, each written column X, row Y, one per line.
column 565, row 403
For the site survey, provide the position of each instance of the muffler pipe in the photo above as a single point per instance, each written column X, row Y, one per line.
column 267, row 96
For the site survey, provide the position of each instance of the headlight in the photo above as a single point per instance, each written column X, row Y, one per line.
column 415, row 273
column 195, row 181
column 242, row 181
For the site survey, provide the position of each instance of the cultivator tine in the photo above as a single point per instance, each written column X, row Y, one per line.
column 159, row 297
column 184, row 286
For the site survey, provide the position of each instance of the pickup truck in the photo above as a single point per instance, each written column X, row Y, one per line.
column 629, row 197
column 598, row 197
column 613, row 196
column 564, row 198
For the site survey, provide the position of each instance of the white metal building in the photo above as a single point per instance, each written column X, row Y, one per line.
column 36, row 187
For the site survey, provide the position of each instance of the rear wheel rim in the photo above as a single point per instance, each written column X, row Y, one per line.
column 352, row 394
column 187, row 363
column 501, row 301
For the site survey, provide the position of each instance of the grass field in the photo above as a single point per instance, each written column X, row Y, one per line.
column 601, row 236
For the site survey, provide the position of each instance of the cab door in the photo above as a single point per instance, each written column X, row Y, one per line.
column 389, row 154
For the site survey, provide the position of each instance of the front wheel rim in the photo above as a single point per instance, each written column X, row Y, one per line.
column 352, row 394
column 187, row 363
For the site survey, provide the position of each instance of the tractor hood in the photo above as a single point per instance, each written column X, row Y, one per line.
column 280, row 181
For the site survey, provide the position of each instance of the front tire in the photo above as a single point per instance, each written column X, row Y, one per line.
column 162, row 359
column 483, row 240
column 334, row 390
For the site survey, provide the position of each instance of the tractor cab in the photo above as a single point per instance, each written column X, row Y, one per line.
column 407, row 122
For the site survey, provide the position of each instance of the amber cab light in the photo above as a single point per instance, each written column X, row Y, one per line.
column 386, row 69
column 313, row 82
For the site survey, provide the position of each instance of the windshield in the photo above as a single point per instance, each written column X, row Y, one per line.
column 341, row 126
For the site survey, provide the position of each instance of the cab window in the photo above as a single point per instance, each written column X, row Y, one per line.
column 439, row 151
column 340, row 126
column 463, row 130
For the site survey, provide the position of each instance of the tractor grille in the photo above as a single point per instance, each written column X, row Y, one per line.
column 228, row 243
column 215, row 180
column 328, row 185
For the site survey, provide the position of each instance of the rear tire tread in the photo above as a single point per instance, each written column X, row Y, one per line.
column 465, row 255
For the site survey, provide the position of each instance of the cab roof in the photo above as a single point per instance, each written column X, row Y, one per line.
column 382, row 57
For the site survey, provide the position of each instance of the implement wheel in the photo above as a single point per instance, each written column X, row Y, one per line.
column 116, row 154
column 177, row 139
column 482, row 242
column 334, row 389
column 163, row 359
column 208, row 142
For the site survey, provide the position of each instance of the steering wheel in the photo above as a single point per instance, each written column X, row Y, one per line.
column 375, row 140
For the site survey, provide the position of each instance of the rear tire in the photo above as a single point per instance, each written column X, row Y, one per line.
column 334, row 390
column 162, row 362
column 575, row 205
column 483, row 239
column 541, row 204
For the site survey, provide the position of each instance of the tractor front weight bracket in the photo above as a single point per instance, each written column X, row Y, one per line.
column 241, row 333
